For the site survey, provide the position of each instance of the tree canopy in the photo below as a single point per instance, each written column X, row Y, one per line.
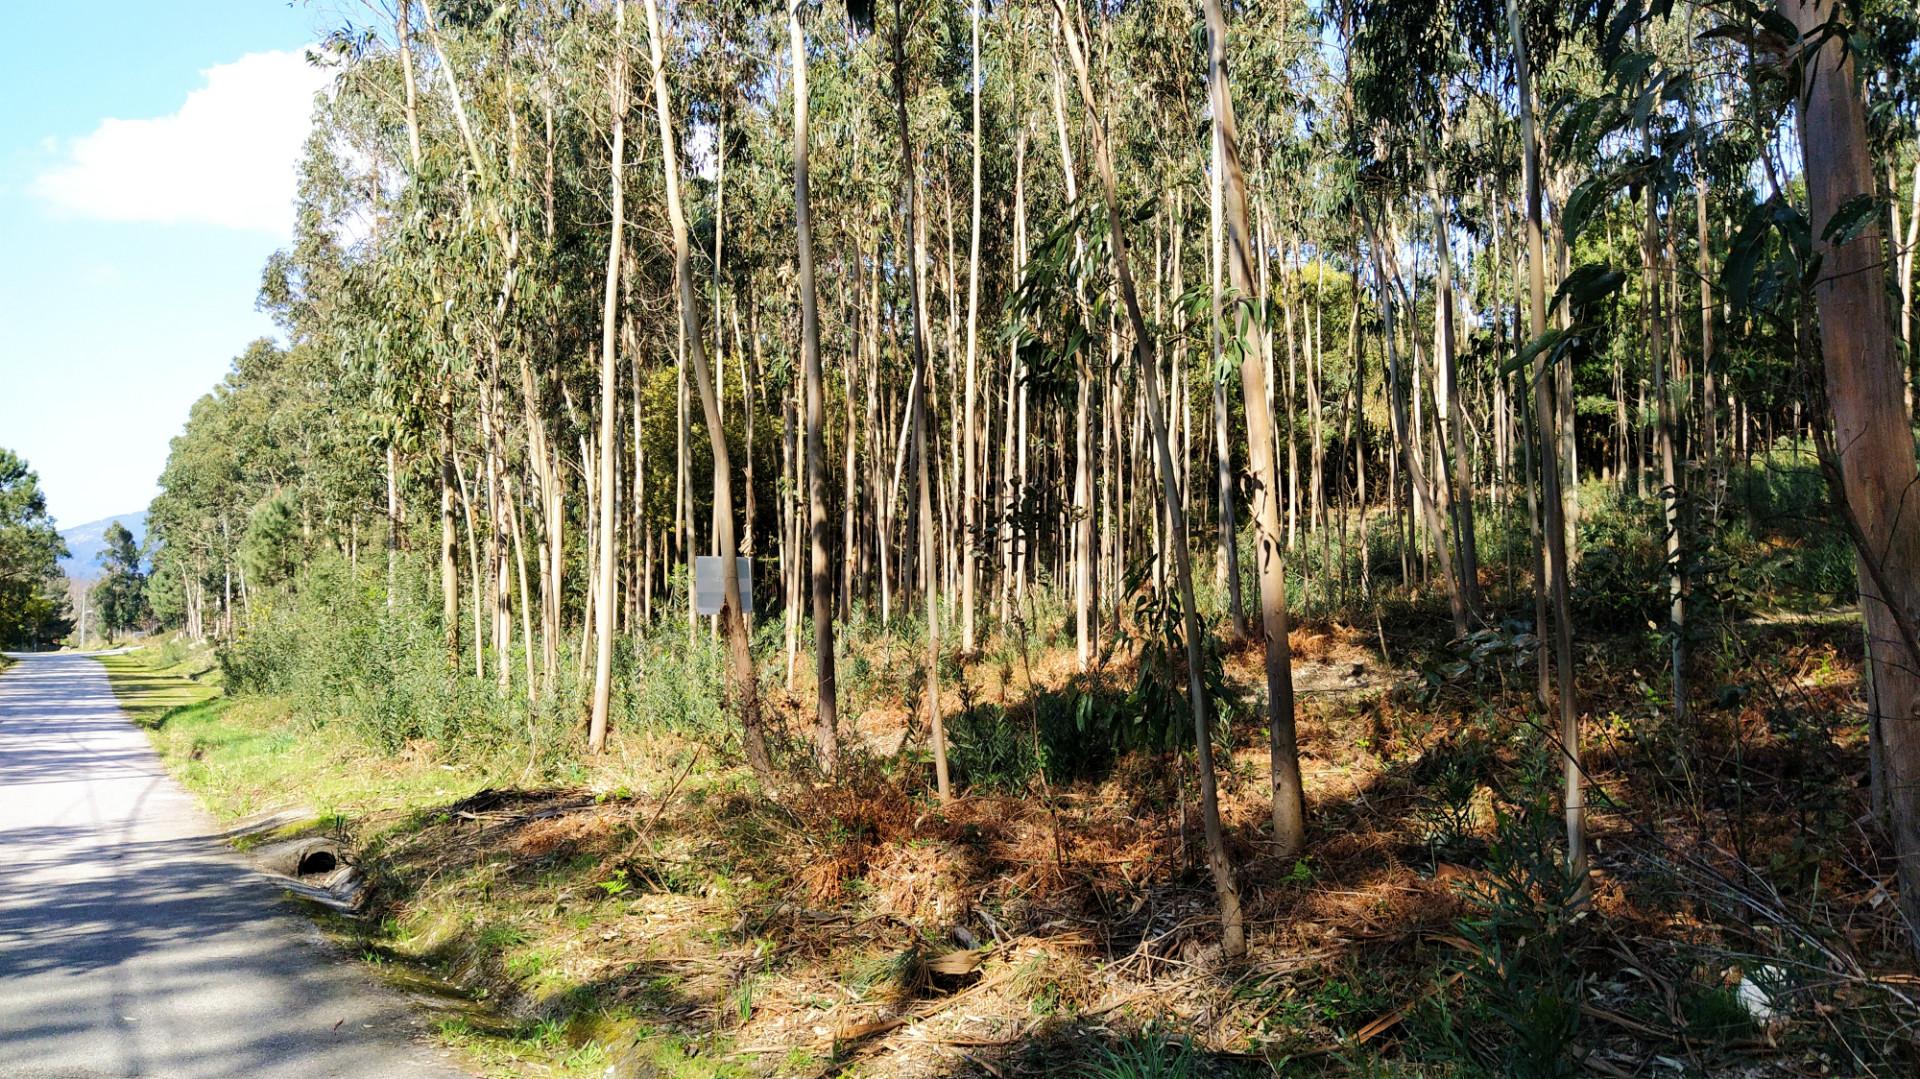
column 32, row 606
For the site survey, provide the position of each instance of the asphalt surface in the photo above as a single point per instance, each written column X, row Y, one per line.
column 133, row 942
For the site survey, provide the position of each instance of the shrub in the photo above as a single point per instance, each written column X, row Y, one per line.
column 1621, row 581
column 672, row 680
column 333, row 649
column 987, row 748
column 1519, row 973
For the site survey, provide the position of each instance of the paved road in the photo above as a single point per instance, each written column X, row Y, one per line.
column 132, row 943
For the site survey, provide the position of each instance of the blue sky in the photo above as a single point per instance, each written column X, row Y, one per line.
column 146, row 159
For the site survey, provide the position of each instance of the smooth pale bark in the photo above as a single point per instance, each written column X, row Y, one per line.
column 403, row 29
column 970, row 504
column 1313, row 352
column 1289, row 801
column 1408, row 438
column 1872, row 436
column 749, row 353
column 1573, row 796
column 543, row 459
column 393, row 524
column 605, row 575
column 1021, row 539
column 518, row 536
column 850, row 494
column 745, row 687
column 1289, row 403
column 1226, row 888
column 476, row 589
column 1011, row 482
column 449, row 583
column 1451, row 417
column 789, row 536
column 1909, row 254
column 918, row 407
column 826, row 703
column 498, row 549
column 1229, row 532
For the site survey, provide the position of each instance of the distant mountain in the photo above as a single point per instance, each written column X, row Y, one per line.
column 85, row 542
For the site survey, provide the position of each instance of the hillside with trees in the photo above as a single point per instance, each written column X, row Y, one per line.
column 85, row 543
column 1302, row 537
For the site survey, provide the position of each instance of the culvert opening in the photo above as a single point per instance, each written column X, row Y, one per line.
column 314, row 862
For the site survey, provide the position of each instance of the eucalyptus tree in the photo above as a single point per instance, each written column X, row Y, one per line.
column 120, row 595
column 1413, row 51
column 493, row 353
column 1546, row 423
column 917, row 397
column 606, row 575
column 826, row 701
column 744, row 686
column 1289, row 800
column 1226, row 888
column 1872, row 441
column 971, row 497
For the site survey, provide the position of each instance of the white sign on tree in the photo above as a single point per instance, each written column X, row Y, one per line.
column 709, row 591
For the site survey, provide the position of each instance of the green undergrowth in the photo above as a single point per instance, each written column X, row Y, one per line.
column 654, row 911
column 249, row 755
column 476, row 953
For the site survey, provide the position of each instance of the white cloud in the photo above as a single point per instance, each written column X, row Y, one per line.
column 227, row 157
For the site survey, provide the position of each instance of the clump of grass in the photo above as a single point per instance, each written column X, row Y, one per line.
column 1150, row 1054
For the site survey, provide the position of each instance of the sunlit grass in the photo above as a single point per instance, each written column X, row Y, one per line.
column 250, row 755
column 156, row 683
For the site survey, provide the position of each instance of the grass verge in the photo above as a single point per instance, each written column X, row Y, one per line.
column 469, row 947
column 157, row 682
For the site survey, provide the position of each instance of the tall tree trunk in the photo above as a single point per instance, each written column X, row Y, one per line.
column 1022, row 534
column 970, row 504
column 478, row 589
column 1289, row 403
column 1222, row 455
column 1453, row 417
column 1010, row 483
column 605, row 573
column 745, row 688
column 1669, row 474
column 1553, row 524
column 1080, row 522
column 1872, row 434
column 826, row 705
column 918, row 405
column 1232, row 921
column 1408, row 437
column 1289, row 801
column 449, row 587
column 393, row 524
column 449, row 543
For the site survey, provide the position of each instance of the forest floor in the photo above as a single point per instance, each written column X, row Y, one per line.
column 660, row 913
